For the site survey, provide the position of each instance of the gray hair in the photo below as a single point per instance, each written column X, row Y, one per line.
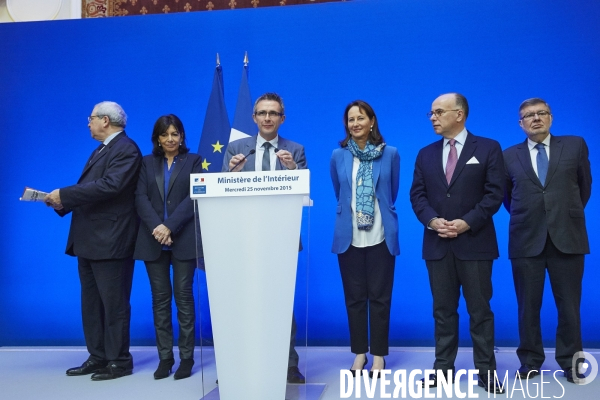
column 532, row 102
column 462, row 103
column 270, row 97
column 113, row 111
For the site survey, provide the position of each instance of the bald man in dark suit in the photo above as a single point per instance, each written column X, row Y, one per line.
column 457, row 187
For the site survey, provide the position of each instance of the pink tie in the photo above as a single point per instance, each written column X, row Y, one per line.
column 452, row 158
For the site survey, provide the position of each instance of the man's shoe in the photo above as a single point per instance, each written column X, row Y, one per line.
column 527, row 371
column 294, row 375
column 569, row 375
column 112, row 371
column 489, row 384
column 86, row 368
column 433, row 380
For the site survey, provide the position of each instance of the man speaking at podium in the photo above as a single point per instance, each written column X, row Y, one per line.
column 102, row 236
column 268, row 151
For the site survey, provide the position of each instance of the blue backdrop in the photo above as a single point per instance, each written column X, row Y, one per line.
column 397, row 55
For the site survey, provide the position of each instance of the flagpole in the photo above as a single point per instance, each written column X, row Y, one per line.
column 216, row 128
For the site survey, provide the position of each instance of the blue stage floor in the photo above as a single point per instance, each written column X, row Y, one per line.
column 35, row 373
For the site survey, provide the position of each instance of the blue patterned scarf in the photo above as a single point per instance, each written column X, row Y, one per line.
column 365, row 192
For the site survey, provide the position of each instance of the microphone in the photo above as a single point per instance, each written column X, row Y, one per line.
column 275, row 149
column 239, row 162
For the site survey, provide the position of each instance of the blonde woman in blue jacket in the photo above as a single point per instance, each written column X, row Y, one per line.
column 366, row 174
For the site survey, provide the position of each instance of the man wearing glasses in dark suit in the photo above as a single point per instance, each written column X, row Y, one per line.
column 102, row 237
column 457, row 187
column 548, row 184
column 267, row 151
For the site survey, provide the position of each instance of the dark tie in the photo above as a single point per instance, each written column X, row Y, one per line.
column 266, row 161
column 542, row 162
column 451, row 163
column 96, row 152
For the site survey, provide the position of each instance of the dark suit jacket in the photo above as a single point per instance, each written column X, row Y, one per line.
column 474, row 195
column 555, row 208
column 104, row 221
column 386, row 178
column 243, row 146
column 149, row 202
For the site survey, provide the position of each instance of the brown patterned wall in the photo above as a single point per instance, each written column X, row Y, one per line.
column 110, row 8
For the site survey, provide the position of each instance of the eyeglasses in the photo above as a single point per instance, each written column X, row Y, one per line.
column 530, row 116
column 270, row 114
column 91, row 117
column 438, row 113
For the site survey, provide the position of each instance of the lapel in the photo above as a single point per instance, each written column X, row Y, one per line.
column 93, row 160
column 525, row 160
column 159, row 175
column 251, row 159
column 181, row 160
column 348, row 164
column 556, row 148
column 376, row 169
column 282, row 145
column 465, row 155
column 438, row 154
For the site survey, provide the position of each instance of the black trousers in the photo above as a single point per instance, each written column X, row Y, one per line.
column 293, row 356
column 105, row 309
column 566, row 274
column 446, row 277
column 159, row 273
column 368, row 278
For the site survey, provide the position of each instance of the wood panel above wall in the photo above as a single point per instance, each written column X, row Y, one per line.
column 111, row 8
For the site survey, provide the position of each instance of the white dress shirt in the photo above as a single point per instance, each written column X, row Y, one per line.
column 260, row 151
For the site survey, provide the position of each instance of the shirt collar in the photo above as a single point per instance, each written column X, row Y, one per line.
column 111, row 137
column 532, row 144
column 260, row 141
column 460, row 138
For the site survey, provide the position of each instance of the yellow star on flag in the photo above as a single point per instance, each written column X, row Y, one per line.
column 217, row 147
column 205, row 164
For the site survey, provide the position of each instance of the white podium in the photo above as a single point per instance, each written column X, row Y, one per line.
column 250, row 223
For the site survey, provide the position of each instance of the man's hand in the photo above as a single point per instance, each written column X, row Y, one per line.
column 53, row 200
column 162, row 234
column 286, row 159
column 449, row 229
column 236, row 159
column 459, row 224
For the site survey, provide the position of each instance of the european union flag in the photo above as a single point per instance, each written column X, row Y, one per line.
column 243, row 124
column 216, row 129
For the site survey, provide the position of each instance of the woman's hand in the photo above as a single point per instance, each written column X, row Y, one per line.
column 162, row 234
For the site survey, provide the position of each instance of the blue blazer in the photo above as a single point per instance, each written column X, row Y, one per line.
column 104, row 222
column 149, row 202
column 386, row 178
column 474, row 194
column 243, row 146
